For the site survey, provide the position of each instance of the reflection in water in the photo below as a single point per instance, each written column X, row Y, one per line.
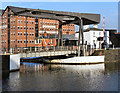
column 40, row 77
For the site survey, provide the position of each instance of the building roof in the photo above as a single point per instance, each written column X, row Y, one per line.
column 111, row 30
column 59, row 15
column 92, row 29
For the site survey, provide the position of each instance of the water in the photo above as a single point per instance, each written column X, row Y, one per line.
column 40, row 77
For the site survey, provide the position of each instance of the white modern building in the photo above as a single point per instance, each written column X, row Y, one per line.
column 91, row 36
column 94, row 37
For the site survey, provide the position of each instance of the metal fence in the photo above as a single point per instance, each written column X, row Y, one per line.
column 41, row 49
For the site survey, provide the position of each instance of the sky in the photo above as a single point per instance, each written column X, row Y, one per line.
column 107, row 9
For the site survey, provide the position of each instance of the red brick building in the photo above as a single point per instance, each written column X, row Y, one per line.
column 21, row 31
column 1, row 30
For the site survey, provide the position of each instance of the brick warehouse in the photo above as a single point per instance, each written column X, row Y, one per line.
column 21, row 31
column 0, row 30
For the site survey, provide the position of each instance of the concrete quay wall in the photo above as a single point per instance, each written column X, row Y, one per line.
column 10, row 62
column 112, row 55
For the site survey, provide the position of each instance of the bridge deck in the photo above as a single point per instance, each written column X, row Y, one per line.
column 47, row 53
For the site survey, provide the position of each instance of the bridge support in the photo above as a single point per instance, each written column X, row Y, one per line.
column 80, row 35
column 60, row 39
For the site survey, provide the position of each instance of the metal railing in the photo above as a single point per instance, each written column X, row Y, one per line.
column 16, row 50
column 50, row 51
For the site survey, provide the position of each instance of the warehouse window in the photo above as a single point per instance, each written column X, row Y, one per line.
column 18, row 33
column 40, row 41
column 18, row 21
column 36, row 41
column 18, row 27
column 30, row 28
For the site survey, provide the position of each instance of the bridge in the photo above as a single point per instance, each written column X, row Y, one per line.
column 40, row 52
column 48, row 51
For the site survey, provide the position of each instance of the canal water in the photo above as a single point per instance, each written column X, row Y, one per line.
column 52, row 77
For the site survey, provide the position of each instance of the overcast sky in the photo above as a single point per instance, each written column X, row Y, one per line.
column 107, row 9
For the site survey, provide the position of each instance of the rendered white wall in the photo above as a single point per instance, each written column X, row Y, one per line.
column 91, row 36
